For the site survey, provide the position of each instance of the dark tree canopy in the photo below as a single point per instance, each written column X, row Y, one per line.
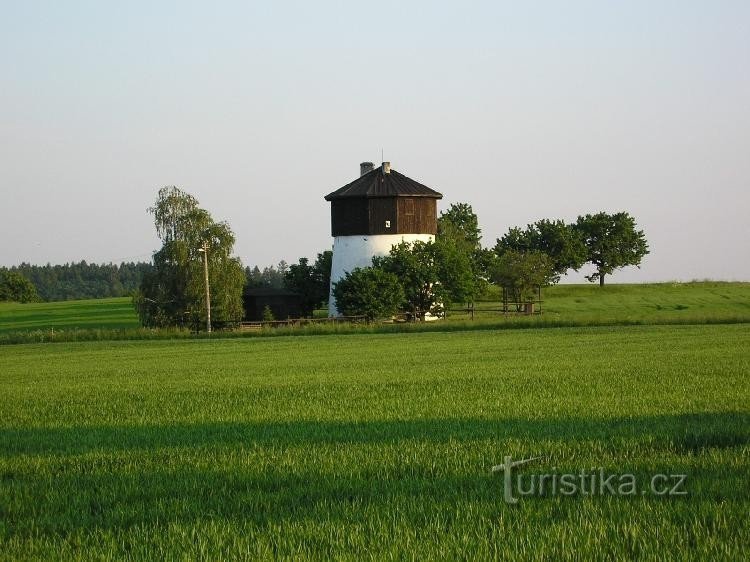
column 300, row 278
column 561, row 242
column 612, row 242
column 173, row 293
column 311, row 282
column 370, row 292
column 270, row 277
column 323, row 269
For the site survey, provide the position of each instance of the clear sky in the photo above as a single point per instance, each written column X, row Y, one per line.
column 526, row 110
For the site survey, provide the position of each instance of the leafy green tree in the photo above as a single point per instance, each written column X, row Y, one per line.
column 612, row 242
column 459, row 232
column 323, row 272
column 302, row 279
column 418, row 267
column 370, row 292
column 311, row 282
column 173, row 292
column 522, row 273
column 16, row 288
column 461, row 221
column 561, row 242
column 456, row 274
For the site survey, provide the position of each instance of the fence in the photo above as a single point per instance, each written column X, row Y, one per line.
column 297, row 322
column 506, row 307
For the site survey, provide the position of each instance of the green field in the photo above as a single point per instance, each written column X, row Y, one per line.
column 645, row 302
column 93, row 313
column 572, row 304
column 375, row 446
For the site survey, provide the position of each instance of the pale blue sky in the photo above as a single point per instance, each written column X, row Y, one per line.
column 525, row 110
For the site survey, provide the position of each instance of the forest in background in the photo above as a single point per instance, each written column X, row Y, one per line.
column 83, row 280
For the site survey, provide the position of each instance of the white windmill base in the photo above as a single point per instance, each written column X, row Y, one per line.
column 351, row 252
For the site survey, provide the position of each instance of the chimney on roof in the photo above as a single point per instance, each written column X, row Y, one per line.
column 386, row 167
column 365, row 167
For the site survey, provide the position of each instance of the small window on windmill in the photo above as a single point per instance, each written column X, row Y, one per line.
column 409, row 207
column 388, row 224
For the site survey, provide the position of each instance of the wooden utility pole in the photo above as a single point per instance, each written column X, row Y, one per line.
column 204, row 249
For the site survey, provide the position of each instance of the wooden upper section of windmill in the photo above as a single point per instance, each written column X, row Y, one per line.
column 383, row 201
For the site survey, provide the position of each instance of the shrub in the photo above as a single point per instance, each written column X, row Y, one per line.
column 369, row 292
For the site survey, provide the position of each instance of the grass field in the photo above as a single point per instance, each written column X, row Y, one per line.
column 375, row 446
column 567, row 304
column 93, row 313
column 652, row 301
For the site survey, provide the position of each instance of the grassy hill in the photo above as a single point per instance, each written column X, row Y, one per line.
column 647, row 301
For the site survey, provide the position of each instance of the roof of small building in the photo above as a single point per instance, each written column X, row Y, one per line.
column 378, row 183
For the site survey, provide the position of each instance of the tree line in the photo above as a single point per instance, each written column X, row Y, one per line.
column 84, row 280
column 78, row 280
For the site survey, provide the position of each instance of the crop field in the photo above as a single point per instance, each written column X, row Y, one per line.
column 376, row 446
column 92, row 313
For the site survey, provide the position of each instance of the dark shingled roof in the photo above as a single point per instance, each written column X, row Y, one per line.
column 376, row 183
